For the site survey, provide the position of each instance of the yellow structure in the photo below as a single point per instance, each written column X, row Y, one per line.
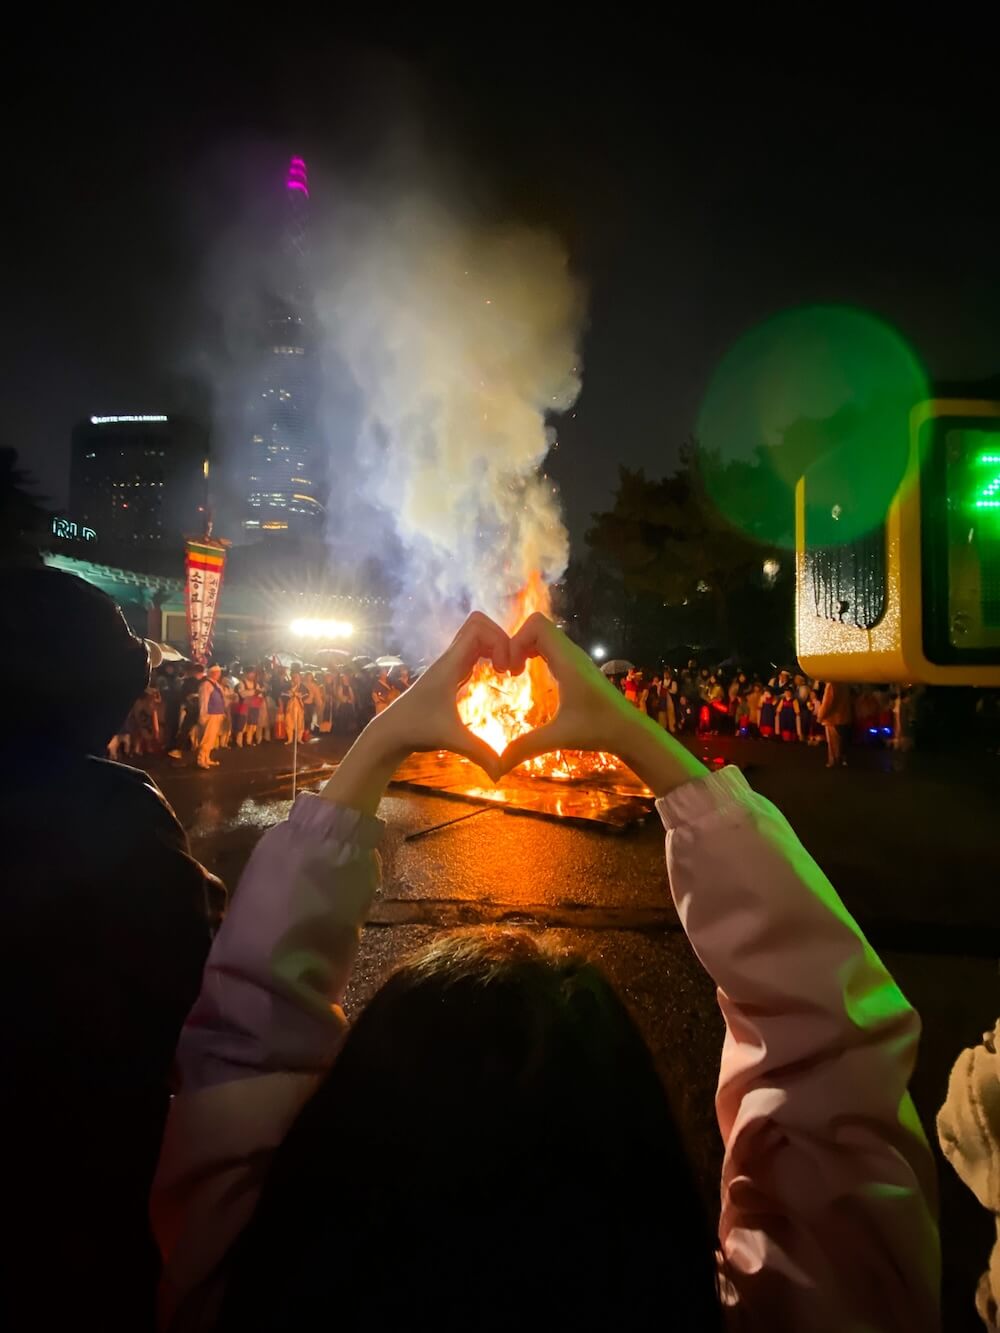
column 918, row 599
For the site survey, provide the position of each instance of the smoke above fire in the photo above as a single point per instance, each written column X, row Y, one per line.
column 449, row 346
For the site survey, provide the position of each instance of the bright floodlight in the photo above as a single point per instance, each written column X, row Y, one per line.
column 322, row 629
column 599, row 651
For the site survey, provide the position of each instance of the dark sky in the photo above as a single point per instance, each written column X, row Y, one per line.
column 701, row 180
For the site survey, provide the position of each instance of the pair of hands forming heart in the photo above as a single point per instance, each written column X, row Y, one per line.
column 426, row 717
column 592, row 715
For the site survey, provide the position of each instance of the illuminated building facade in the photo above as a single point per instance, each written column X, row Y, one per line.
column 138, row 481
column 283, row 494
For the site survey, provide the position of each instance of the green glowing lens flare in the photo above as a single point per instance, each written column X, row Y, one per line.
column 809, row 384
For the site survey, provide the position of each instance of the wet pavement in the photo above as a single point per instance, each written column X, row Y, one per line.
column 910, row 844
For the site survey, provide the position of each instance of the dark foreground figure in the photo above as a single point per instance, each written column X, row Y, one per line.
column 105, row 924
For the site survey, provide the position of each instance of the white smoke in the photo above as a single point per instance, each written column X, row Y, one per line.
column 457, row 341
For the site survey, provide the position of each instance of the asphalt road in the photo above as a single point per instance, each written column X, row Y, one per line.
column 911, row 844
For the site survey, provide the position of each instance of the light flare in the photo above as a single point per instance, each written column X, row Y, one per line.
column 499, row 707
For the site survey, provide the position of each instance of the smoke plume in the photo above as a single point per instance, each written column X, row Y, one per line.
column 448, row 344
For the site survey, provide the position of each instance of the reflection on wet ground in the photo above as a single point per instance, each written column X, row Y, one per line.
column 614, row 799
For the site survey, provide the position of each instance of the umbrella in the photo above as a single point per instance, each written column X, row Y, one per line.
column 616, row 667
column 389, row 661
column 162, row 652
column 332, row 652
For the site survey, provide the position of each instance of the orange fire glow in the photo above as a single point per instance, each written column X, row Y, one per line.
column 500, row 707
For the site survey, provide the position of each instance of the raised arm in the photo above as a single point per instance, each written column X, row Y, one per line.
column 828, row 1188
column 828, row 1185
column 268, row 1020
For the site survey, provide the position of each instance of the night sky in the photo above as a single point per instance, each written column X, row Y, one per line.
column 700, row 180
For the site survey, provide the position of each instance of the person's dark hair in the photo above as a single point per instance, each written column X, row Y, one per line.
column 493, row 1147
column 79, row 667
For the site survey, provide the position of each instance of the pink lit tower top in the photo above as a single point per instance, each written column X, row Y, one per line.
column 285, row 487
column 297, row 194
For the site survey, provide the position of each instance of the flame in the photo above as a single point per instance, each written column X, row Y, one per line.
column 501, row 707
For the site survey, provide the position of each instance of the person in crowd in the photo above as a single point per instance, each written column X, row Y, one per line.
column 105, row 925
column 231, row 699
column 252, row 697
column 789, row 716
column 237, row 707
column 654, row 702
column 755, row 697
column 344, row 717
column 768, row 714
column 172, row 691
column 211, row 715
column 733, row 693
column 189, row 690
column 778, row 682
column 293, row 697
column 811, row 710
column 287, row 1142
column 383, row 691
column 144, row 723
column 686, row 718
column 403, row 680
column 329, row 701
column 630, row 686
column 835, row 715
column 669, row 698
column 741, row 719
column 312, row 704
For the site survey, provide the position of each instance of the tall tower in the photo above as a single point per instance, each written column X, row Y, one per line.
column 283, row 493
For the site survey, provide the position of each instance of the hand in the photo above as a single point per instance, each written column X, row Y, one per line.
column 424, row 717
column 592, row 714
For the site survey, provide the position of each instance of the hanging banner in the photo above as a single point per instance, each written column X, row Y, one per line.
column 204, row 562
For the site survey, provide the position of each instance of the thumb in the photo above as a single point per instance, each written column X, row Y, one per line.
column 464, row 742
column 531, row 744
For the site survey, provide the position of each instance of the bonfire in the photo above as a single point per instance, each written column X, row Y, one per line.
column 499, row 707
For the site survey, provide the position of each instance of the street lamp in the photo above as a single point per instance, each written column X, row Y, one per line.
column 599, row 652
column 321, row 629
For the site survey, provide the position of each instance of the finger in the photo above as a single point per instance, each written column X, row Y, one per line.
column 472, row 747
column 480, row 637
column 542, row 740
column 537, row 637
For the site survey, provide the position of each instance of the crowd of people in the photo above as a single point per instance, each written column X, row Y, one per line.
column 490, row 1140
column 199, row 710
column 786, row 706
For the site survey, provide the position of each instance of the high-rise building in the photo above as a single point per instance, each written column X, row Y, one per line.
column 283, row 493
column 138, row 481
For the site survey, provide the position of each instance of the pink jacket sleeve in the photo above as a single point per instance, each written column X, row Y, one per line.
column 266, row 1025
column 828, row 1186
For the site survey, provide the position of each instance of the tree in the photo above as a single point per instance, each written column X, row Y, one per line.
column 23, row 517
column 676, row 552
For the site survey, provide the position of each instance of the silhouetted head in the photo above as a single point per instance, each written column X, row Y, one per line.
column 493, row 1148
column 72, row 667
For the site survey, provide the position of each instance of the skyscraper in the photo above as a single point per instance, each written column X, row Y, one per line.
column 284, row 494
column 139, row 481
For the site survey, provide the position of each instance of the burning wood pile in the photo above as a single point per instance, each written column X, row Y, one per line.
column 567, row 784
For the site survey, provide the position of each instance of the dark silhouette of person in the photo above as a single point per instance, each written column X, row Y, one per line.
column 105, row 923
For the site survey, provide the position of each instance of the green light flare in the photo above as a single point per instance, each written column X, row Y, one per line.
column 807, row 383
